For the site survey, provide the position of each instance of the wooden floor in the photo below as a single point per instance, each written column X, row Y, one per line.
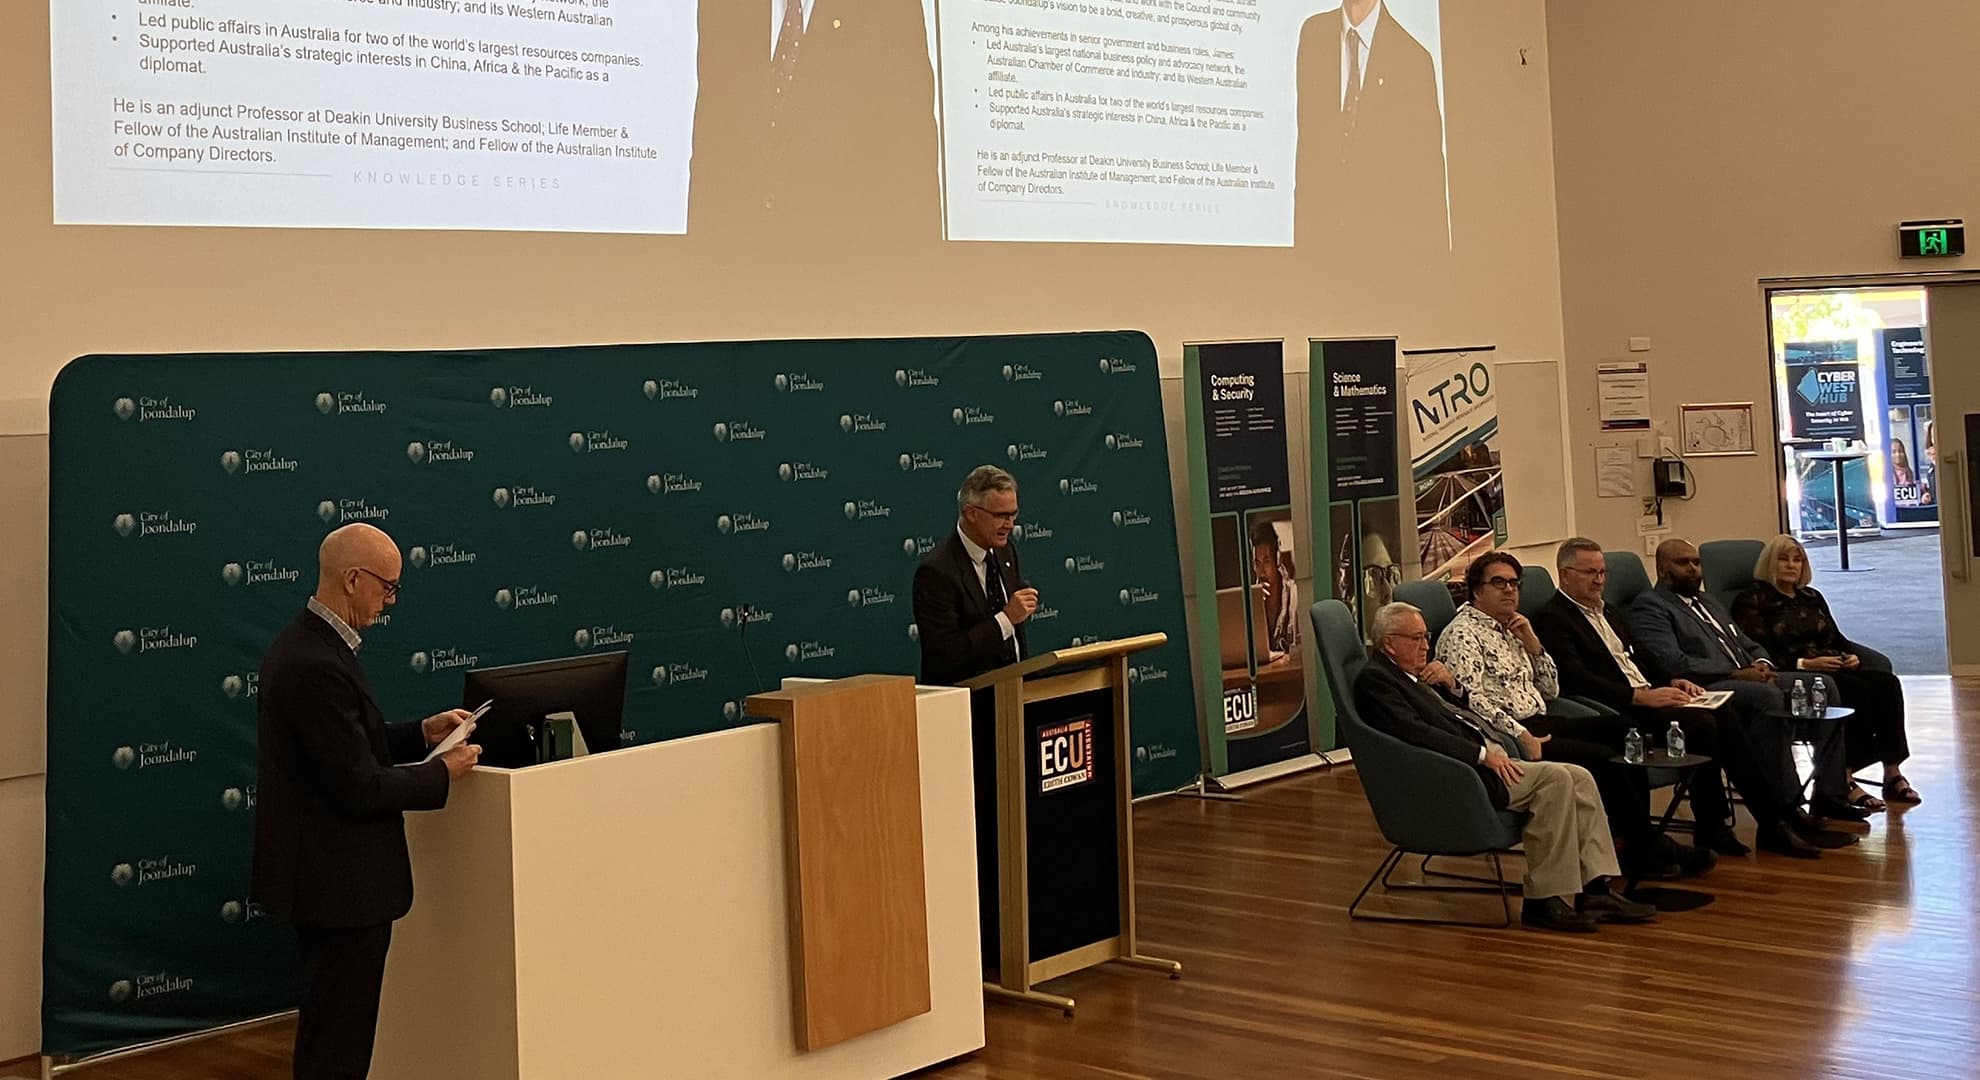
column 1863, row 964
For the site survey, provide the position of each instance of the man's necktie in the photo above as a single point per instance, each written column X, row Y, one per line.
column 789, row 36
column 1352, row 98
column 1726, row 641
column 993, row 588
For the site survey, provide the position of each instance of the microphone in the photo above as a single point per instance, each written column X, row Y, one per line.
column 742, row 638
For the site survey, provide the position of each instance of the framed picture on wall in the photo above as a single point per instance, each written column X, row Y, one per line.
column 1718, row 429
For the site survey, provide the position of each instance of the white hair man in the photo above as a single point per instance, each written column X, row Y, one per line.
column 1569, row 855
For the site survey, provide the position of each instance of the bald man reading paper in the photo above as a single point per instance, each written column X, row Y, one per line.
column 330, row 836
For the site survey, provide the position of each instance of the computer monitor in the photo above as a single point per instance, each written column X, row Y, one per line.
column 592, row 686
column 1239, row 639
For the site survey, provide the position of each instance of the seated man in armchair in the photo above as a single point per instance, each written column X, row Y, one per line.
column 1569, row 854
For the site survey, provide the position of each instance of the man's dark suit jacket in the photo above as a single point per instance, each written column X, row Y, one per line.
column 329, row 834
column 1586, row 667
column 1391, row 702
column 845, row 148
column 1382, row 180
column 1677, row 645
column 960, row 637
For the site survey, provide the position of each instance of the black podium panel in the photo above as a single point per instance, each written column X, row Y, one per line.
column 1073, row 845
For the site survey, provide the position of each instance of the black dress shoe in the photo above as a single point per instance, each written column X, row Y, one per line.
column 1554, row 913
column 1693, row 861
column 1835, row 809
column 1783, row 841
column 1608, row 907
column 1654, row 867
column 1724, row 842
column 1811, row 830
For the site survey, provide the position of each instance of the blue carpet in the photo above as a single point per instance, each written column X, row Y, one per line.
column 1899, row 607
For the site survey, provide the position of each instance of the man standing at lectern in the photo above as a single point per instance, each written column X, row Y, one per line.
column 330, row 835
column 970, row 601
column 970, row 606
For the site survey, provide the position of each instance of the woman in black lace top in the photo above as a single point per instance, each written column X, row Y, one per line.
column 1792, row 621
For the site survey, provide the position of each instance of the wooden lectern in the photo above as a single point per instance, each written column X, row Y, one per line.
column 1058, row 849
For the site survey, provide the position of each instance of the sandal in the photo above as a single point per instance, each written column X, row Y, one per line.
column 1866, row 802
column 1899, row 790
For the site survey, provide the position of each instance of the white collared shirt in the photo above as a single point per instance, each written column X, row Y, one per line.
column 777, row 10
column 1607, row 633
column 977, row 553
column 337, row 623
column 1366, row 28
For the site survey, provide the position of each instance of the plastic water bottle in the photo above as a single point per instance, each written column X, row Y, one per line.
column 1798, row 699
column 1633, row 747
column 1674, row 740
column 1818, row 699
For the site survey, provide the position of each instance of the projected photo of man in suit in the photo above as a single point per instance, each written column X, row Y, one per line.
column 816, row 117
column 1370, row 168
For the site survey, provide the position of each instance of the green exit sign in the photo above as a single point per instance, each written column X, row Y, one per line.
column 1932, row 239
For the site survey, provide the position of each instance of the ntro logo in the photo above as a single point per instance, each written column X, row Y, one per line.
column 1065, row 754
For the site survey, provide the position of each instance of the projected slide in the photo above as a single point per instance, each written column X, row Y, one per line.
column 1194, row 121
column 566, row 115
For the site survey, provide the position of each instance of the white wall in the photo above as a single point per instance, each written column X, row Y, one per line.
column 1701, row 146
column 77, row 290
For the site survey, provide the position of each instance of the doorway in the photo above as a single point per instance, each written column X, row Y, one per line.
column 1858, row 445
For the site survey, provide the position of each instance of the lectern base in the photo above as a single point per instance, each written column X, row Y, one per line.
column 1029, row 997
column 1171, row 968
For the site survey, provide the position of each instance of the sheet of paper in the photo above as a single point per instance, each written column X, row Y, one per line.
column 1622, row 391
column 1615, row 472
column 459, row 734
column 1711, row 700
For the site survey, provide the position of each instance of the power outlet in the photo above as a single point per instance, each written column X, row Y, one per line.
column 1666, row 446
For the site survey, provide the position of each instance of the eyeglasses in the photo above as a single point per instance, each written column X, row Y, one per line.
column 391, row 584
column 1419, row 637
column 1510, row 584
column 1598, row 572
column 1008, row 517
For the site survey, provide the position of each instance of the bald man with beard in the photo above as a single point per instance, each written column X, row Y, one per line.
column 330, row 835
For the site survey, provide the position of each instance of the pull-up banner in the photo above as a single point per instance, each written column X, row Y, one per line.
column 1356, row 478
column 1253, row 685
column 1460, row 490
column 659, row 499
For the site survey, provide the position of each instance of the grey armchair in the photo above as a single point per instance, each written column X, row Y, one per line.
column 1424, row 802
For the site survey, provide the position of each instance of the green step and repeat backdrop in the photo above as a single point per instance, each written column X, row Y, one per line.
column 726, row 512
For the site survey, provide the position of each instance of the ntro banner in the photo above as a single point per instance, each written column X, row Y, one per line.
column 1252, row 675
column 728, row 514
column 1460, row 491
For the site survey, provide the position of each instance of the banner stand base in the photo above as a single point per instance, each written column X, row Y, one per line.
column 1274, row 771
column 52, row 1067
column 1206, row 786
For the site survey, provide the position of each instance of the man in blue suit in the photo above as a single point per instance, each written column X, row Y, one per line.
column 1684, row 633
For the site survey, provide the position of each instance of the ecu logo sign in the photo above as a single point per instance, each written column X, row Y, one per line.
column 1065, row 755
